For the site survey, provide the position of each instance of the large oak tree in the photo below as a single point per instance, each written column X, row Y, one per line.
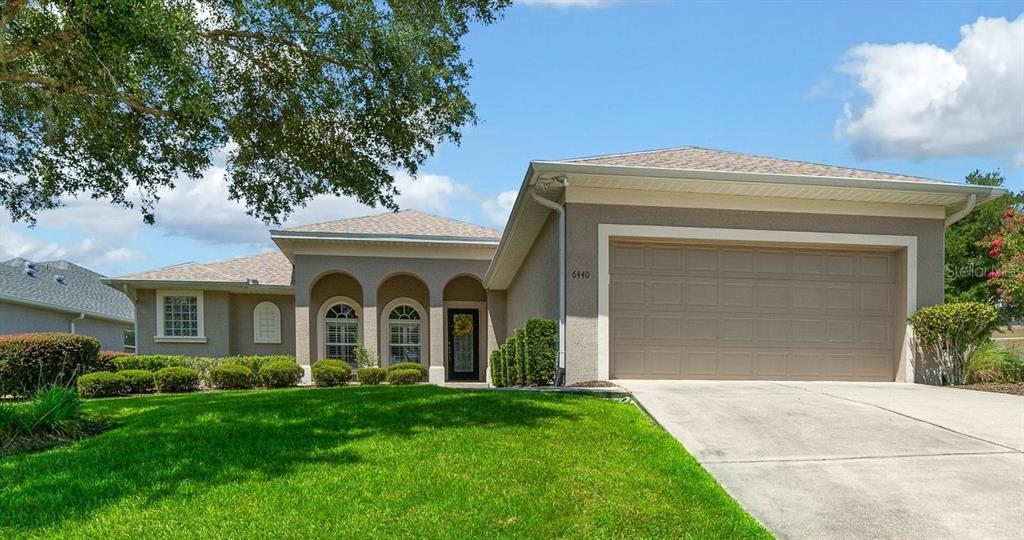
column 304, row 97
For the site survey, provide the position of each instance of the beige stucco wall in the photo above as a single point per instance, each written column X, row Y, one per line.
column 533, row 293
column 216, row 326
column 17, row 318
column 581, row 254
column 465, row 289
column 242, row 337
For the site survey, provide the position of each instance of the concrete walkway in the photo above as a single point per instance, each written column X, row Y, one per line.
column 855, row 460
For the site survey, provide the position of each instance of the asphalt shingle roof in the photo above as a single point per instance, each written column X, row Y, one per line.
column 271, row 268
column 706, row 159
column 81, row 288
column 404, row 223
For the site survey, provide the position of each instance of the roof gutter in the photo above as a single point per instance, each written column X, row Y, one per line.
column 230, row 286
column 80, row 317
column 972, row 201
column 62, row 309
column 560, row 375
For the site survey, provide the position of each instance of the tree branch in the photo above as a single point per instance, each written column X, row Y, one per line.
column 10, row 9
column 134, row 103
column 219, row 35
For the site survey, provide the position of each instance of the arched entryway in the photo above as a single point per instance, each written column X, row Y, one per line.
column 465, row 336
column 404, row 320
column 337, row 300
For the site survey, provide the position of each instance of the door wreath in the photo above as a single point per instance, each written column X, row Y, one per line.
column 463, row 326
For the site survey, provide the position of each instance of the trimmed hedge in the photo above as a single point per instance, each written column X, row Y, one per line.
column 280, row 374
column 952, row 333
column 528, row 357
column 371, row 375
column 101, row 384
column 106, row 360
column 256, row 362
column 137, row 381
column 497, row 368
column 32, row 361
column 231, row 377
column 176, row 379
column 331, row 373
column 404, row 376
column 145, row 362
column 409, row 365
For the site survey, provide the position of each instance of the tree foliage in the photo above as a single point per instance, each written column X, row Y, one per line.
column 1006, row 248
column 968, row 264
column 118, row 98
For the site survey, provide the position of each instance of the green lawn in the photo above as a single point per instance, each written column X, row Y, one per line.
column 368, row 462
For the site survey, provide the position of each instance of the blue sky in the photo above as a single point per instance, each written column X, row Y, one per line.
column 791, row 80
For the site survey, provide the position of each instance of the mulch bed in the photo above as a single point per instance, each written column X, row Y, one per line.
column 593, row 384
column 1002, row 388
column 37, row 442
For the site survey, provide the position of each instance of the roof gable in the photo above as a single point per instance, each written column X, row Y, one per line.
column 271, row 268
column 403, row 223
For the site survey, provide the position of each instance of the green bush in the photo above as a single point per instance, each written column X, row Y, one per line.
column 101, row 384
column 31, row 361
column 508, row 354
column 176, row 379
column 497, row 369
column 9, row 419
column 106, row 360
column 952, row 333
column 145, row 362
column 256, row 362
column 404, row 376
column 419, row 368
column 518, row 371
column 371, row 375
column 366, row 358
column 137, row 381
column 231, row 377
column 540, row 339
column 331, row 373
column 280, row 374
column 53, row 409
column 994, row 364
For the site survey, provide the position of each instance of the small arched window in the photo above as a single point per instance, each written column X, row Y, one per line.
column 266, row 323
column 404, row 334
column 341, row 333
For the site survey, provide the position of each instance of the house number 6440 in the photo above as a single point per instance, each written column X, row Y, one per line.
column 580, row 274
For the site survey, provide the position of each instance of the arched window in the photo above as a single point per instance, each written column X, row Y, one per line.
column 341, row 332
column 404, row 334
column 266, row 323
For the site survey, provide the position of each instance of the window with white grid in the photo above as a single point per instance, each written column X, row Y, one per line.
column 181, row 315
column 404, row 330
column 266, row 323
column 341, row 333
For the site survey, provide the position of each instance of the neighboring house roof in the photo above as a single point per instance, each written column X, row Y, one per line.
column 270, row 268
column 706, row 159
column 62, row 286
column 403, row 223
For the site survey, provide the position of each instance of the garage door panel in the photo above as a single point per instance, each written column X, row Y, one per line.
column 683, row 311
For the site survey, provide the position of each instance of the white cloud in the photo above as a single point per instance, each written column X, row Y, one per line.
column 928, row 102
column 569, row 3
column 498, row 209
column 91, row 252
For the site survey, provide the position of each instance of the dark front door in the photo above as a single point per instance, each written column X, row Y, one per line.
column 463, row 345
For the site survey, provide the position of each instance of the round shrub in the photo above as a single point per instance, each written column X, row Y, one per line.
column 31, row 361
column 952, row 333
column 331, row 373
column 280, row 374
column 101, row 384
column 137, row 381
column 371, row 375
column 176, row 379
column 404, row 376
column 231, row 376
column 410, row 365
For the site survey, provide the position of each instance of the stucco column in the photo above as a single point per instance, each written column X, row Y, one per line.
column 370, row 325
column 302, row 340
column 436, row 339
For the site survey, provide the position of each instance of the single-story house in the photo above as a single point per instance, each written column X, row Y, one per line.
column 682, row 263
column 59, row 296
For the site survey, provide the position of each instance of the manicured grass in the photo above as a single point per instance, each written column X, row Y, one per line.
column 367, row 462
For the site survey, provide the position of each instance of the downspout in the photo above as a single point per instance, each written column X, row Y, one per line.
column 80, row 317
column 561, row 180
column 972, row 201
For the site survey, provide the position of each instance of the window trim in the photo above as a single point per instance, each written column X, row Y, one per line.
column 275, row 337
column 321, row 322
column 385, row 329
column 200, row 336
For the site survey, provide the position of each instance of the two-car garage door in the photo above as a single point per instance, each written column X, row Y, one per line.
column 702, row 311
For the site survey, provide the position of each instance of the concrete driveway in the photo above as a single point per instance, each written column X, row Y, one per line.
column 855, row 460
